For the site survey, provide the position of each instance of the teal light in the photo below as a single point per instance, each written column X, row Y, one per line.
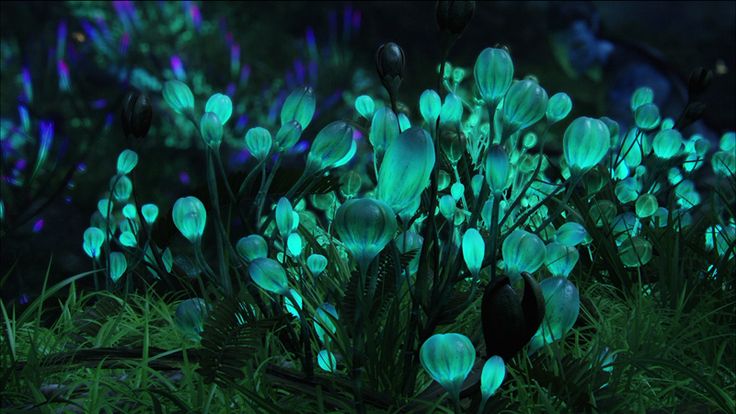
column 252, row 247
column 571, row 234
column 190, row 317
column 349, row 156
column 492, row 375
column 299, row 106
column 92, row 241
column 127, row 239
column 384, row 129
column 525, row 104
column 149, row 212
column 443, row 181
column 316, row 263
column 365, row 106
column 118, row 265
column 220, row 105
column 404, row 122
column 558, row 107
column 447, row 206
column 635, row 251
column 497, row 169
column 286, row 219
column 330, row 146
column 430, row 106
column 560, row 259
column 123, row 188
column 724, row 163
column 667, row 143
column 646, row 205
column 288, row 135
column 647, row 116
column 493, row 74
column 289, row 305
column 324, row 321
column 522, row 252
column 351, row 182
column 294, row 244
column 211, row 129
column 129, row 211
column 365, row 226
column 452, row 110
column 407, row 242
column 641, row 96
column 448, row 358
column 268, row 275
column 258, row 141
column 326, row 361
column 127, row 160
column 457, row 190
column 178, row 96
column 476, row 184
column 103, row 206
column 585, row 143
column 562, row 308
column 728, row 141
column 405, row 171
column 190, row 217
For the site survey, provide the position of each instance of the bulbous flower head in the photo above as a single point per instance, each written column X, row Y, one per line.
column 390, row 65
column 220, row 105
column 211, row 129
column 365, row 226
column 252, row 247
column 585, row 143
column 288, row 135
column 258, row 141
column 448, row 358
column 522, row 252
column 453, row 16
column 190, row 217
column 269, row 275
column 493, row 73
column 330, row 146
column 299, row 106
column 558, row 107
column 127, row 160
column 498, row 169
column 178, row 95
column 92, row 242
column 525, row 104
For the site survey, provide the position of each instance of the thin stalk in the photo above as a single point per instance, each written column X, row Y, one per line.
column 224, row 278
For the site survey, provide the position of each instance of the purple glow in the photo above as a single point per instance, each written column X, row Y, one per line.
column 63, row 71
column 27, row 85
column 21, row 164
column 195, row 14
column 38, row 226
column 244, row 74
column 242, row 122
column 240, row 157
column 61, row 40
column 184, row 178
column 357, row 15
column 178, row 67
column 301, row 146
column 311, row 43
column 230, row 90
column 47, row 135
column 68, row 199
column 357, row 135
column 229, row 38
column 124, row 43
column 23, row 299
column 300, row 71
column 347, row 20
column 99, row 104
column 108, row 120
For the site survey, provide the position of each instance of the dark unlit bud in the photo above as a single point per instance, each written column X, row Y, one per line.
column 699, row 81
column 136, row 114
column 509, row 322
column 390, row 65
column 691, row 114
column 454, row 16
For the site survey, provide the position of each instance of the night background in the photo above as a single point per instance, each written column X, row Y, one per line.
column 70, row 75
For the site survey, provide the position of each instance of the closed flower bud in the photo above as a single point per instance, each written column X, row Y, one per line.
column 390, row 64
column 136, row 115
column 454, row 16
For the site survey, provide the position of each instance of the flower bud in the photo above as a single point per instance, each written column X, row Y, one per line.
column 454, row 16
column 390, row 64
column 136, row 115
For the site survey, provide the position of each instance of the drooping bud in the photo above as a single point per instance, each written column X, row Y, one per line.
column 390, row 64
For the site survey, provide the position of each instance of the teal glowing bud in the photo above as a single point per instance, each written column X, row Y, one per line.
column 491, row 378
column 127, row 160
column 631, row 148
column 286, row 221
column 150, row 213
column 667, row 123
column 118, row 265
column 430, row 105
column 493, row 74
column 667, row 143
column 404, row 122
column 458, row 74
column 365, row 226
column 614, row 129
column 168, row 259
column 252, row 247
column 330, row 146
column 127, row 239
column 405, row 171
column 522, row 252
column 299, row 106
column 647, row 116
column 190, row 317
column 728, row 141
column 558, row 107
column 324, row 321
column 289, row 305
column 294, row 244
column 457, row 191
column 562, row 301
column 129, row 212
column 476, row 184
column 626, row 190
column 474, row 249
column 525, row 104
column 498, row 169
column 384, row 129
column 179, row 97
column 724, row 163
column 269, row 275
column 190, row 217
column 635, row 251
column 585, row 143
column 92, row 242
column 365, row 106
column 258, row 141
column 529, row 141
column 447, row 206
column 448, row 359
column 123, row 188
column 641, row 96
column 103, row 206
column 452, row 110
column 560, row 259
column 326, row 361
column 220, row 105
column 316, row 263
column 288, row 136
column 211, row 129
column 349, row 156
column 646, row 205
column 571, row 234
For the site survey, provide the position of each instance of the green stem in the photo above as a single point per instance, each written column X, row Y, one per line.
column 224, row 278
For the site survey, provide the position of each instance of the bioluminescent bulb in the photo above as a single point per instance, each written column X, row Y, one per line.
column 92, row 241
column 585, row 143
column 178, row 96
column 330, row 146
column 293, row 310
column 127, row 239
column 558, row 107
column 365, row 226
column 299, row 106
column 667, row 143
column 288, row 135
column 211, row 129
column 150, row 213
column 430, row 105
column 492, row 375
column 497, row 169
column 447, row 206
column 123, row 187
column 252, row 247
column 407, row 242
column 269, row 275
column 127, row 160
column 103, row 206
column 326, row 361
column 646, row 205
column 457, row 190
column 562, row 308
column 451, row 111
column 287, row 220
column 448, row 359
column 635, row 251
column 190, row 317
column 493, row 73
column 560, row 259
column 474, row 250
column 384, row 129
column 118, row 265
column 316, row 263
column 294, row 244
column 220, row 105
column 525, row 103
column 522, row 252
column 641, row 96
column 365, row 106
column 351, row 182
column 570, row 234
column 190, row 218
column 258, row 141
column 647, row 116
column 324, row 321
